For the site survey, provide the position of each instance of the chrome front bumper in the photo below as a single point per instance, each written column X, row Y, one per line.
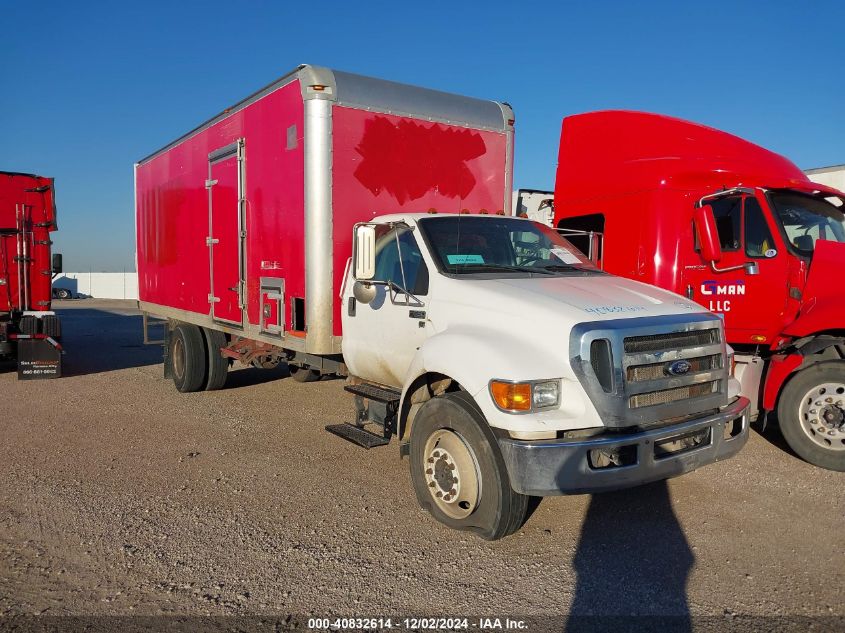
column 557, row 467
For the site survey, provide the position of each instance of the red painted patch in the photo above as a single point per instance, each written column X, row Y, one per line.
column 409, row 159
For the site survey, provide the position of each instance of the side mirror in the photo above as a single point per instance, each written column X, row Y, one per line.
column 708, row 235
column 365, row 252
column 364, row 292
column 57, row 263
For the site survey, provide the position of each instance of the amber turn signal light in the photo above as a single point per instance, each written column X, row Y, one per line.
column 511, row 396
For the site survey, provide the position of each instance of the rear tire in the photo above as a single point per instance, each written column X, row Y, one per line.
column 188, row 358
column 303, row 374
column 63, row 293
column 218, row 365
column 811, row 414
column 458, row 472
column 28, row 325
column 51, row 326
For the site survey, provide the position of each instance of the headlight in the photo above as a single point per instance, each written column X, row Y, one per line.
column 522, row 397
column 545, row 394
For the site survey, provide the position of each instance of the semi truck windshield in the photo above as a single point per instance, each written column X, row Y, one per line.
column 806, row 219
column 464, row 245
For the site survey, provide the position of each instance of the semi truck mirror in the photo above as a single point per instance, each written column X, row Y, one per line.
column 57, row 263
column 708, row 236
column 365, row 251
column 364, row 292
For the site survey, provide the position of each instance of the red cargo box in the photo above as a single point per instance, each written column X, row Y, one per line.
column 245, row 223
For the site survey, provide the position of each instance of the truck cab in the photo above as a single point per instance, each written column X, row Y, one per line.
column 741, row 231
column 609, row 383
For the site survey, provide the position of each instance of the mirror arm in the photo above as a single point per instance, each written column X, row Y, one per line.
column 400, row 290
column 727, row 269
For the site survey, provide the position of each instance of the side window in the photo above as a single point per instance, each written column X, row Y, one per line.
column 392, row 259
column 758, row 238
column 728, row 214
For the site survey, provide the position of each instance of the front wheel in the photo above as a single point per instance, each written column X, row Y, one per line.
column 811, row 413
column 458, row 473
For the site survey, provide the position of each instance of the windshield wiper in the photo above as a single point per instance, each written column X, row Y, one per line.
column 563, row 267
column 508, row 268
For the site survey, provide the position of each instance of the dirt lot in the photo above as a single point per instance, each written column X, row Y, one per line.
column 120, row 496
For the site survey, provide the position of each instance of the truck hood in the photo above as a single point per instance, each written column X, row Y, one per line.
column 593, row 297
column 549, row 306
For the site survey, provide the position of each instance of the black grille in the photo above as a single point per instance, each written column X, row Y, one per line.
column 656, row 371
column 673, row 395
column 674, row 340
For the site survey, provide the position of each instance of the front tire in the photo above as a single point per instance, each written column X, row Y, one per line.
column 811, row 414
column 458, row 472
column 188, row 358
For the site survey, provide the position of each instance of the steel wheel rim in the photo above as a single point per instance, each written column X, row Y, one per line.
column 178, row 357
column 821, row 413
column 451, row 474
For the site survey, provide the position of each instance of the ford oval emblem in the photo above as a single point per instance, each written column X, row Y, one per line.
column 679, row 368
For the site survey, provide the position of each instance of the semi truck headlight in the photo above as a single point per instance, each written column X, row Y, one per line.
column 519, row 397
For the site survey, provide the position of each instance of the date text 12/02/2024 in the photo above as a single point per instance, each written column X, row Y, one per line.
column 417, row 624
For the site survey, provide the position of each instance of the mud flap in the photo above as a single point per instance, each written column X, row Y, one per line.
column 39, row 358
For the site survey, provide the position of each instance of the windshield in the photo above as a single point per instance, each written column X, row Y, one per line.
column 464, row 245
column 806, row 219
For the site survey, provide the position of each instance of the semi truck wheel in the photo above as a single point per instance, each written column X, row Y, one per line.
column 51, row 326
column 62, row 293
column 303, row 374
column 188, row 358
column 811, row 413
column 458, row 473
column 218, row 365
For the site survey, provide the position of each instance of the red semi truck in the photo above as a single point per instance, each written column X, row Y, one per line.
column 738, row 229
column 361, row 227
column 27, row 217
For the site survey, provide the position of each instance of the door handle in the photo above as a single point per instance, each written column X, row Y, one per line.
column 416, row 314
column 234, row 288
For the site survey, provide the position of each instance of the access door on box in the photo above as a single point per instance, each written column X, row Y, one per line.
column 226, row 232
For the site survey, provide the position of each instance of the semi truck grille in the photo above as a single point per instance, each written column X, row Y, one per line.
column 656, row 371
column 666, row 396
column 674, row 340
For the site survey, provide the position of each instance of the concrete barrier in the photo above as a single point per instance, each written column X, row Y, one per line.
column 99, row 285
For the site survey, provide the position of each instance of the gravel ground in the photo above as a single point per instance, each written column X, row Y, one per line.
column 120, row 496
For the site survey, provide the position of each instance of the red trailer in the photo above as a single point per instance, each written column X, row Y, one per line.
column 27, row 217
column 244, row 225
column 737, row 228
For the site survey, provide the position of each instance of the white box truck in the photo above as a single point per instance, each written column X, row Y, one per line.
column 502, row 361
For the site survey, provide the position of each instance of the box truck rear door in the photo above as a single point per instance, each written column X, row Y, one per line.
column 225, row 232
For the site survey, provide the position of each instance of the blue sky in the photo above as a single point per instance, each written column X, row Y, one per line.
column 88, row 88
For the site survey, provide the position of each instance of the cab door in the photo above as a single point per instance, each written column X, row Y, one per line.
column 380, row 338
column 749, row 304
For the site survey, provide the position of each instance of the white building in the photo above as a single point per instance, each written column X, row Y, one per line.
column 832, row 176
